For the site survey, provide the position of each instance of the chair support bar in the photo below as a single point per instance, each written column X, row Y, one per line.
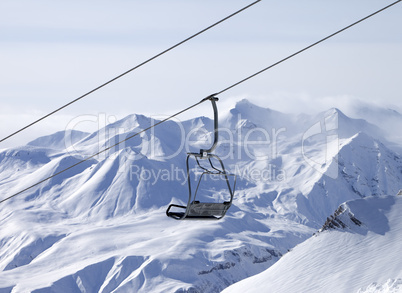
column 195, row 210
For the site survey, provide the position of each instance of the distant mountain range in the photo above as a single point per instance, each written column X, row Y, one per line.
column 101, row 226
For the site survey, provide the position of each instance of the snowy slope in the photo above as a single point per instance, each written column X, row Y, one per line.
column 59, row 140
column 358, row 250
column 101, row 226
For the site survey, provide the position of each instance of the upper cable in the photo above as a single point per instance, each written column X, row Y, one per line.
column 130, row 70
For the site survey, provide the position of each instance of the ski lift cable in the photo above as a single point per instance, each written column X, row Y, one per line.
column 130, row 70
column 306, row 48
column 198, row 103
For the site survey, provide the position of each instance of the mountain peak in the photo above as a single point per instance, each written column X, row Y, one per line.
column 335, row 111
column 245, row 110
column 244, row 102
column 59, row 139
column 245, row 106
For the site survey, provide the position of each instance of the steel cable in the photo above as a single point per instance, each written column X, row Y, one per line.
column 205, row 99
column 130, row 70
column 306, row 48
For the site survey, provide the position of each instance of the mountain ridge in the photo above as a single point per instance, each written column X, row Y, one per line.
column 362, row 228
column 107, row 218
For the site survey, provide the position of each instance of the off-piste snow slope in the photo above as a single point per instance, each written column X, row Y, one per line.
column 357, row 250
column 101, row 226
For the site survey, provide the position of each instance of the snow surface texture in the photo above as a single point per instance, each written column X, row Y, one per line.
column 101, row 226
column 361, row 245
column 391, row 286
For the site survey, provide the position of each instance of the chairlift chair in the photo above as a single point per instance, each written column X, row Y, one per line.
column 196, row 210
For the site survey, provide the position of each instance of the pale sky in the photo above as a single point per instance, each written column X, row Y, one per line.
column 52, row 52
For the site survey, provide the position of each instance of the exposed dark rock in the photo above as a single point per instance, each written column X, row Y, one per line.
column 338, row 219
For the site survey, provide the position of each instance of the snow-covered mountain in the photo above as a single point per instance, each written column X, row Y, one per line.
column 357, row 250
column 101, row 226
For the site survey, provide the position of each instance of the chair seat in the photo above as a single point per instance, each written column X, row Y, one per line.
column 203, row 209
column 200, row 210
